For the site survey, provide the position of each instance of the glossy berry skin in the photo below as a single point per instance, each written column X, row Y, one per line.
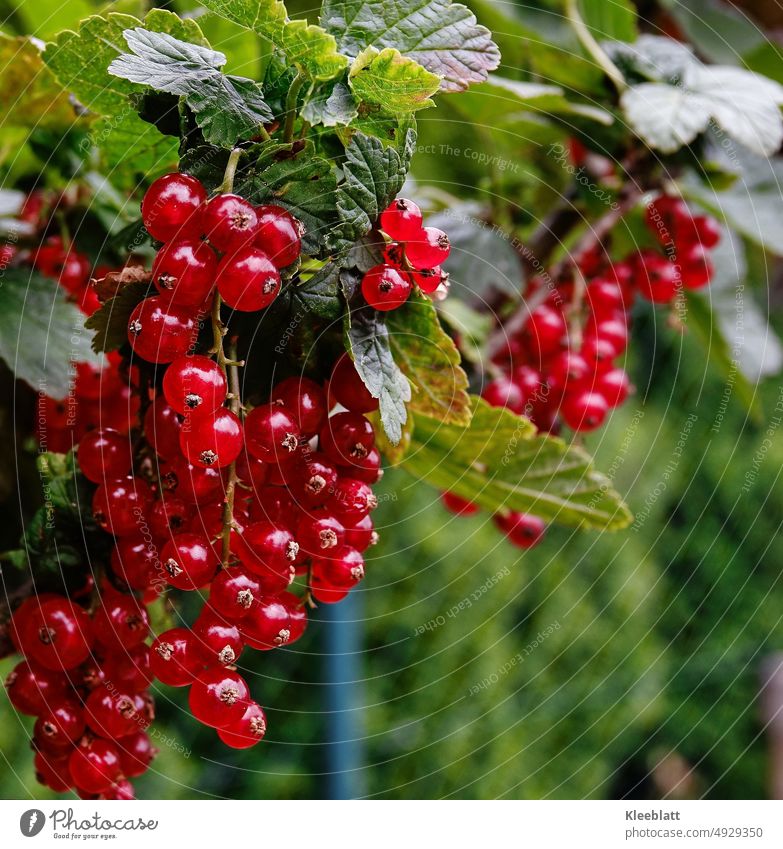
column 367, row 468
column 188, row 561
column 160, row 332
column 386, row 288
column 111, row 713
column 361, row 534
column 569, row 371
column 219, row 697
column 104, row 455
column 271, row 433
column 121, row 621
column 584, row 411
column 233, row 591
column 193, row 484
column 247, row 279
column 279, row 235
column 657, row 279
column 268, row 624
column 247, row 731
column 170, row 205
column 184, row 272
column 614, row 386
column 401, row 220
column 349, row 389
column 135, row 561
column 168, row 516
column 53, row 772
column 708, row 231
column 346, row 438
column 695, row 267
column 60, row 725
column 174, row 657
column 58, row 635
column 429, row 279
column 129, row 670
column 613, row 331
column 319, row 533
column 217, row 640
column 194, row 384
column 95, row 766
column 335, row 576
column 31, row 688
column 119, row 506
column 297, row 615
column 502, row 392
column 229, row 222
column 264, row 547
column 162, row 424
column 211, row 440
column 428, row 248
column 305, row 400
column 457, row 505
column 545, row 330
column 522, row 529
column 136, row 754
column 352, row 500
column 312, row 481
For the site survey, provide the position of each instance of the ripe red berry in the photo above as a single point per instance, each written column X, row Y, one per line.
column 544, row 331
column 229, row 222
column 58, row 635
column 219, row 697
column 104, row 455
column 522, row 529
column 264, row 547
column 430, row 279
column 695, row 266
column 584, row 411
column 119, row 506
column 657, row 278
column 349, row 389
column 569, row 371
column 135, row 561
column 268, row 624
column 708, row 231
column 170, row 206
column 136, row 754
column 352, row 500
column 312, row 481
column 427, row 248
column 211, row 440
column 31, row 687
column 232, row 593
column 247, row 279
column 319, row 533
column 129, row 670
column 174, row 657
column 401, row 220
column 194, row 383
column 279, row 235
column 458, row 505
column 361, row 534
column 502, row 392
column 60, row 725
column 367, row 468
column 193, row 484
column 184, row 272
column 614, row 385
column 113, row 714
column 271, row 433
column 53, row 772
column 217, row 640
column 120, row 621
column 386, row 288
column 162, row 425
column 305, row 400
column 167, row 516
column 95, row 765
column 333, row 577
column 160, row 332
column 346, row 437
column 246, row 731
column 188, row 561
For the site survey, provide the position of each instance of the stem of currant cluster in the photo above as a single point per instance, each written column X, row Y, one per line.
column 290, row 106
column 593, row 47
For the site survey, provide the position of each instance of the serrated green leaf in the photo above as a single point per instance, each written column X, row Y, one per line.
column 442, row 36
column 227, row 108
column 308, row 47
column 320, row 293
column 133, row 150
column 609, row 19
column 110, row 322
column 396, row 83
column 40, row 332
column 428, row 357
column 331, row 106
column 369, row 345
column 500, row 463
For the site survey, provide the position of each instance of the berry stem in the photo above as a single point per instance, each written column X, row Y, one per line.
column 229, row 174
column 290, row 106
column 575, row 310
column 593, row 47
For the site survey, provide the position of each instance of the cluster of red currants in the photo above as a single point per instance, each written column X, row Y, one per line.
column 412, row 255
column 558, row 366
column 85, row 677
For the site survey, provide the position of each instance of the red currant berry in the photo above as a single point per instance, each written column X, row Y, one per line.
column 522, row 529
column 271, row 433
column 170, row 206
column 361, row 535
column 312, row 481
column 135, row 561
column 695, row 265
column 193, row 484
column 174, row 657
column 335, row 576
column 129, row 670
column 119, row 506
column 568, row 371
column 31, row 688
column 53, row 772
column 247, row 280
column 136, row 754
column 297, row 615
column 584, row 411
column 349, row 389
column 457, row 505
column 265, row 548
column 268, row 624
column 352, row 500
column 95, row 766
column 104, row 455
column 501, row 392
column 232, row 593
column 211, row 440
column 305, row 400
column 184, row 272
column 120, row 621
column 219, row 697
column 229, row 222
column 58, row 635
column 246, row 731
column 430, row 279
column 613, row 331
column 367, row 468
column 544, row 331
column 614, row 385
column 273, row 504
column 386, row 288
column 159, row 332
column 217, row 641
column 279, row 235
column 708, row 231
column 346, row 438
column 168, row 516
column 401, row 220
column 427, row 248
column 319, row 533
column 605, row 298
column 60, row 725
column 188, row 561
column 658, row 279
column 162, row 425
column 113, row 714
column 194, row 383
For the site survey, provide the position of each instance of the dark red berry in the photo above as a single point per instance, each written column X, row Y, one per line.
column 160, row 332
column 385, row 287
column 174, row 657
column 268, row 624
column 232, row 593
column 170, row 206
column 211, row 440
column 120, row 621
column 522, row 529
column 188, row 561
column 219, row 697
column 279, row 235
column 271, row 433
column 246, row 731
column 184, row 272
column 95, row 765
column 194, row 384
column 458, row 505
column 401, row 220
column 104, row 455
column 349, row 389
column 305, row 400
column 58, row 635
column 346, row 438
column 162, row 425
column 229, row 222
column 119, row 506
column 248, row 280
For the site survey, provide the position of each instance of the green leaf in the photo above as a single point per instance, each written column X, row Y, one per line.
column 609, row 19
column 227, row 108
column 392, row 81
column 442, row 36
column 746, row 106
column 331, row 106
column 373, row 176
column 133, row 150
column 500, row 463
column 719, row 32
column 428, row 357
column 368, row 341
column 308, row 47
column 41, row 333
column 652, row 57
column 110, row 322
column 319, row 294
